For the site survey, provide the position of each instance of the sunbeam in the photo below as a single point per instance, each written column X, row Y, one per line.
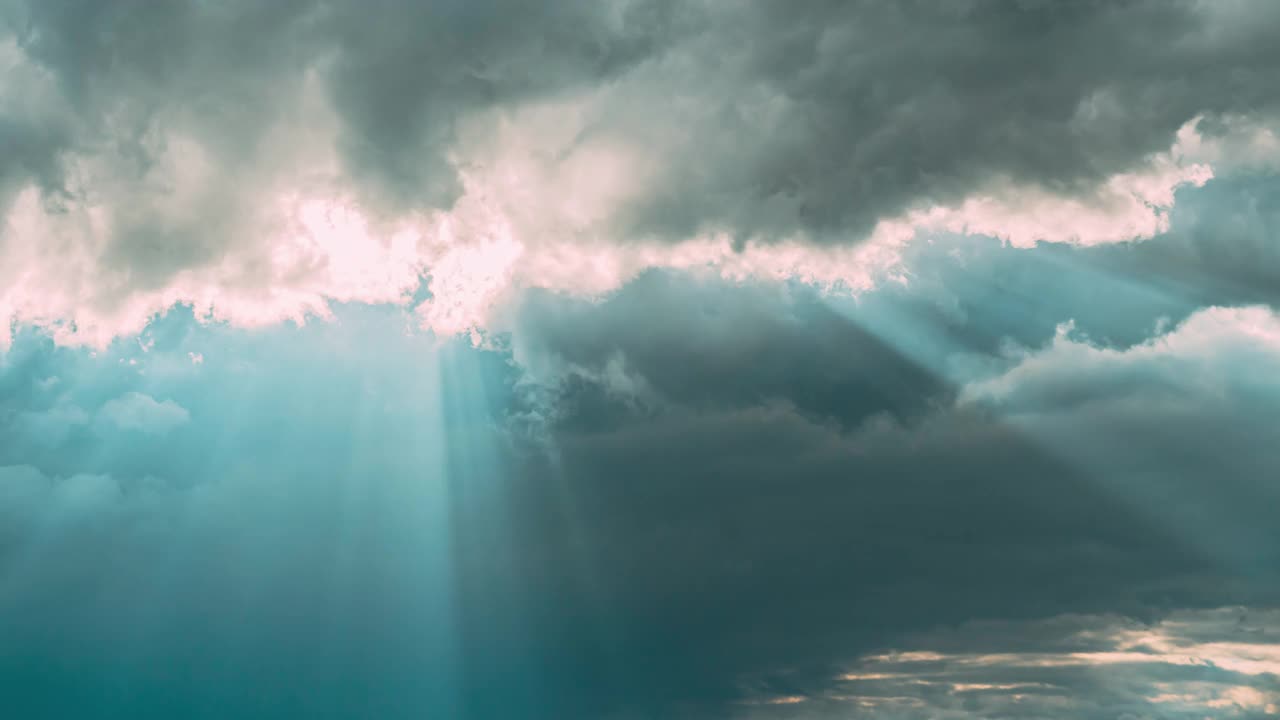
column 639, row 360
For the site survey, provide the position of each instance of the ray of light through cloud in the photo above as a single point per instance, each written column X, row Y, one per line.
column 639, row 359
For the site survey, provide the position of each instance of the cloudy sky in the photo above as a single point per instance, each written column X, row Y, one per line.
column 637, row 359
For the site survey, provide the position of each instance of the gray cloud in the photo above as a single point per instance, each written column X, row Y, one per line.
column 668, row 338
column 732, row 491
column 161, row 153
column 400, row 75
column 829, row 117
column 771, row 120
column 405, row 73
column 1102, row 471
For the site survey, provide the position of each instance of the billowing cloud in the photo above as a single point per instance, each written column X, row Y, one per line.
column 260, row 164
column 865, row 359
column 137, row 411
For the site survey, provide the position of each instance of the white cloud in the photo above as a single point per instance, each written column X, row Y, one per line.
column 1218, row 351
column 1129, row 206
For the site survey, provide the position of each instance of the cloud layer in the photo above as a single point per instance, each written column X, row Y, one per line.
column 259, row 164
column 839, row 359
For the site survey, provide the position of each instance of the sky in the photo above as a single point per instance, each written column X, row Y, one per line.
column 640, row 359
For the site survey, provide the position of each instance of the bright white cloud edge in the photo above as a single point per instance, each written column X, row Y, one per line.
column 304, row 240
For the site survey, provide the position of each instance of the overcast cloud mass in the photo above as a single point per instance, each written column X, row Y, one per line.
column 639, row 359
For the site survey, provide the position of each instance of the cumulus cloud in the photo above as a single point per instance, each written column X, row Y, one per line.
column 260, row 164
column 678, row 471
column 137, row 411
column 1215, row 350
column 51, row 425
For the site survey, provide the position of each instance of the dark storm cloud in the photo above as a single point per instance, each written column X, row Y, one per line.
column 185, row 123
column 168, row 154
column 709, row 345
column 828, row 116
column 758, row 548
column 768, row 119
column 966, row 303
column 407, row 72
column 400, row 74
column 688, row 496
column 766, row 530
column 117, row 65
column 30, row 154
